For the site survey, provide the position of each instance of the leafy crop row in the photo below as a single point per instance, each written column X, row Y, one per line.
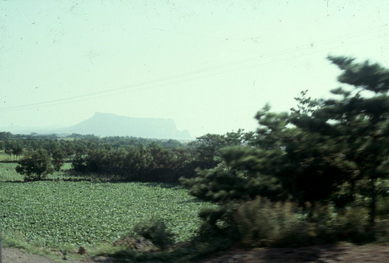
column 57, row 213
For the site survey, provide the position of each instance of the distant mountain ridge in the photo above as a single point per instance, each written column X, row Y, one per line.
column 108, row 124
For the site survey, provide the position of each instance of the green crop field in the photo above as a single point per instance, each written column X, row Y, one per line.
column 6, row 157
column 58, row 213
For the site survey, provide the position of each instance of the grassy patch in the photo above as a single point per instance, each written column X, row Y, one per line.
column 8, row 173
column 8, row 158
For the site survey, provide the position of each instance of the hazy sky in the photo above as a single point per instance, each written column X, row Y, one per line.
column 207, row 64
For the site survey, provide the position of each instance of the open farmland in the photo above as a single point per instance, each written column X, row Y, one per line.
column 57, row 213
column 8, row 158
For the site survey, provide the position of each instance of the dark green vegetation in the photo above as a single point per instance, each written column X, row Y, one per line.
column 324, row 166
column 317, row 174
column 156, row 231
column 36, row 166
column 125, row 158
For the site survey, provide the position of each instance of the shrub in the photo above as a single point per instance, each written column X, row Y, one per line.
column 156, row 231
column 261, row 222
column 139, row 244
column 348, row 224
column 254, row 223
column 218, row 224
column 35, row 166
column 79, row 163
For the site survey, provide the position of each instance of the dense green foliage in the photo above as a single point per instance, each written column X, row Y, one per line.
column 156, row 231
column 35, row 166
column 260, row 222
column 325, row 152
column 155, row 161
column 129, row 159
column 137, row 163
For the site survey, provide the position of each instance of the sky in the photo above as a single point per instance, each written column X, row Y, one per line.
column 210, row 65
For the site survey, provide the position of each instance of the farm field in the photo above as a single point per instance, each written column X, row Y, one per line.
column 59, row 214
column 8, row 158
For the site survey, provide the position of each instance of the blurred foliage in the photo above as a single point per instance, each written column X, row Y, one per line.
column 156, row 231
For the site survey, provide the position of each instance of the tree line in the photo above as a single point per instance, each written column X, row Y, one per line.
column 127, row 158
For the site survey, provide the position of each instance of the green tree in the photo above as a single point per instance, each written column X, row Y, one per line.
column 357, row 121
column 58, row 157
column 207, row 147
column 35, row 165
column 243, row 171
column 13, row 148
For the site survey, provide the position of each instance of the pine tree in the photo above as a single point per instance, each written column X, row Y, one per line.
column 357, row 122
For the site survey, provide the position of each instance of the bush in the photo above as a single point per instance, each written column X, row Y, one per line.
column 348, row 224
column 254, row 223
column 139, row 244
column 261, row 222
column 218, row 224
column 156, row 231
column 35, row 166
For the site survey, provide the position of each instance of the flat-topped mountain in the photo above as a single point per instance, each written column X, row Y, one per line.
column 107, row 124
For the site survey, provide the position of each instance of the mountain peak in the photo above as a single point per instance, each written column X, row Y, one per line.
column 109, row 124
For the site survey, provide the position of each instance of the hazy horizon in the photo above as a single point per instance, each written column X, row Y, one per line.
column 208, row 65
column 103, row 124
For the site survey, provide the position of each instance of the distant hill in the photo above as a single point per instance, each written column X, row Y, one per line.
column 107, row 124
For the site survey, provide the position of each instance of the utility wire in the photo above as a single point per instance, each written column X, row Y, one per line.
column 291, row 53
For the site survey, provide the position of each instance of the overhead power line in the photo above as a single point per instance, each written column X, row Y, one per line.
column 210, row 71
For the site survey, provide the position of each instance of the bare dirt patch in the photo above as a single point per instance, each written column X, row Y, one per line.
column 14, row 255
column 314, row 254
